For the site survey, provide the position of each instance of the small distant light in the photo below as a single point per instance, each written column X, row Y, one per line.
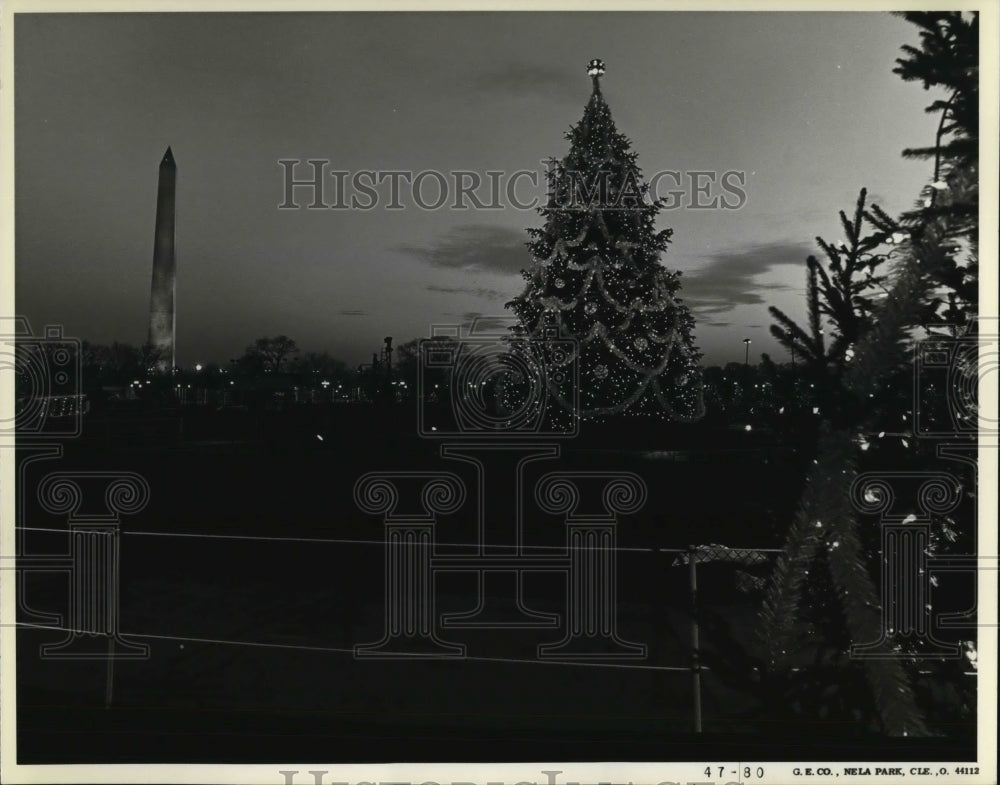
column 198, row 367
column 319, row 437
column 433, row 428
column 747, row 427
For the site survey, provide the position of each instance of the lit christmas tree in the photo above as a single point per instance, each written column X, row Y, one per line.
column 597, row 278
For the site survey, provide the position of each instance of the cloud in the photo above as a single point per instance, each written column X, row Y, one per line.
column 727, row 281
column 353, row 312
column 488, row 294
column 528, row 78
column 481, row 247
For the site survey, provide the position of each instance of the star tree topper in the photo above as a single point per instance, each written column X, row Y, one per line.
column 595, row 69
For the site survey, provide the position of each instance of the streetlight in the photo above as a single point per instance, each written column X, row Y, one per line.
column 746, row 360
column 198, row 367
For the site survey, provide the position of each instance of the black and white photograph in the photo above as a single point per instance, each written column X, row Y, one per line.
column 538, row 395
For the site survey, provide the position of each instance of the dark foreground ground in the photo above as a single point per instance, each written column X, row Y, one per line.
column 252, row 628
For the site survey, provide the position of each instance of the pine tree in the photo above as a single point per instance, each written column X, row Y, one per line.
column 841, row 291
column 842, row 298
column 948, row 59
column 826, row 538
column 597, row 278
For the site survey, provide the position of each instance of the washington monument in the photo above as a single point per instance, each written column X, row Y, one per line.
column 162, row 327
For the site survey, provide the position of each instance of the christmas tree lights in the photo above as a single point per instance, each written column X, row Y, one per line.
column 597, row 278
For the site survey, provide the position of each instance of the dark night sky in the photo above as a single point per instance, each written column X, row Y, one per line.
column 806, row 104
